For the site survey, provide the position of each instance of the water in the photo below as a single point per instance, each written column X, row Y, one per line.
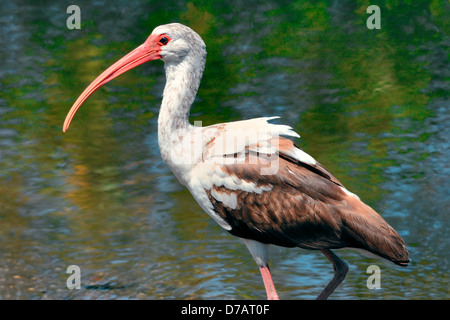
column 371, row 105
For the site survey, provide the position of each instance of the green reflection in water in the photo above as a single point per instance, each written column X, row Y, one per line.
column 100, row 196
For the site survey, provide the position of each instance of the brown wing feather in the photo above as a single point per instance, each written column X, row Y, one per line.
column 285, row 144
column 306, row 207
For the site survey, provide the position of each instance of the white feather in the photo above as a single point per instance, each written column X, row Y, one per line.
column 301, row 155
column 349, row 193
column 230, row 200
column 259, row 251
column 254, row 134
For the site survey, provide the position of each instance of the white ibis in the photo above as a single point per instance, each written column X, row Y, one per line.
column 253, row 182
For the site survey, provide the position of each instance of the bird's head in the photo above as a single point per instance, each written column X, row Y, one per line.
column 171, row 43
column 176, row 41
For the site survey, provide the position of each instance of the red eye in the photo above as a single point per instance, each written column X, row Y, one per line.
column 164, row 40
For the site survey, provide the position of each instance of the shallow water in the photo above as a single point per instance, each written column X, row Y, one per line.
column 370, row 105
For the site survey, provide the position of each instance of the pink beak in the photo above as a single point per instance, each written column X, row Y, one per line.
column 149, row 50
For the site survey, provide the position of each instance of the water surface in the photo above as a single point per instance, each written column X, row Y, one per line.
column 370, row 105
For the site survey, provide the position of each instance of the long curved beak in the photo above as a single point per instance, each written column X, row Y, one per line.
column 145, row 52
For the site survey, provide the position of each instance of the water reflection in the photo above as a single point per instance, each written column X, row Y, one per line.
column 372, row 106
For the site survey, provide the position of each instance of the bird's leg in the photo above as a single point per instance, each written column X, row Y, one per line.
column 260, row 253
column 340, row 270
column 268, row 283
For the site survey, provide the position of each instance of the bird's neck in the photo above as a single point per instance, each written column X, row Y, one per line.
column 182, row 82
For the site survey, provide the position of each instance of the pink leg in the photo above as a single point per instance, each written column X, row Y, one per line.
column 268, row 283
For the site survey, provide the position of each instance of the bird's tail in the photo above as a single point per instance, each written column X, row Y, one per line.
column 366, row 229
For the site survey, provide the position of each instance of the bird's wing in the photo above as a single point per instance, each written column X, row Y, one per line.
column 296, row 206
column 271, row 191
column 249, row 171
column 229, row 139
column 228, row 143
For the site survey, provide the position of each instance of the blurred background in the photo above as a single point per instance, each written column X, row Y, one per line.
column 371, row 105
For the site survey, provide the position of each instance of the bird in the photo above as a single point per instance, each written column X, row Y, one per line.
column 249, row 176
